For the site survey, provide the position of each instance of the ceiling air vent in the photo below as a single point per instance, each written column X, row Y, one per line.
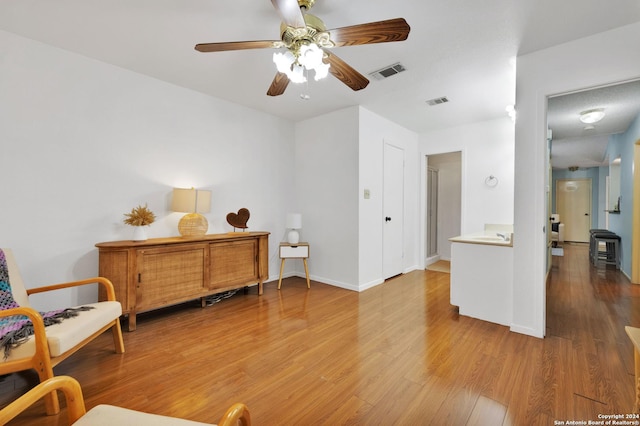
column 437, row 101
column 387, row 71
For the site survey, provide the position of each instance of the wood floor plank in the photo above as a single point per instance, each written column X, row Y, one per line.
column 487, row 412
column 397, row 353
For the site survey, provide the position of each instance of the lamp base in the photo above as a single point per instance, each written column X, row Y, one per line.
column 193, row 225
column 293, row 237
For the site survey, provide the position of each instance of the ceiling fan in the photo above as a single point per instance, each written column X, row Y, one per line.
column 305, row 44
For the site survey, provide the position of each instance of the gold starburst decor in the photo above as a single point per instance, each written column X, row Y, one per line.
column 139, row 216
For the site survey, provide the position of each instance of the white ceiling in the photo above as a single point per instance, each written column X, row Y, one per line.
column 463, row 50
column 575, row 145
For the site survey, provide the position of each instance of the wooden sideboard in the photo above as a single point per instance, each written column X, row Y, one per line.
column 165, row 271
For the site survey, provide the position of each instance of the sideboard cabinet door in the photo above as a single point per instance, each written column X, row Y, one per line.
column 233, row 263
column 170, row 274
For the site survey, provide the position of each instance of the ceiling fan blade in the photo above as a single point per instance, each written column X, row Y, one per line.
column 236, row 45
column 345, row 73
column 290, row 12
column 278, row 85
column 374, row 32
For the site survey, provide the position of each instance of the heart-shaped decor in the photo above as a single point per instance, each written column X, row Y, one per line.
column 240, row 219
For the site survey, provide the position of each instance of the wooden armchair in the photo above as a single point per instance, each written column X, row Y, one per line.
column 107, row 415
column 49, row 346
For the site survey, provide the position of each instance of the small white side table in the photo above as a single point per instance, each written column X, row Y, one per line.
column 294, row 251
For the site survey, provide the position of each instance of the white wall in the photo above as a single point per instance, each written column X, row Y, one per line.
column 605, row 58
column 338, row 155
column 82, row 142
column 487, row 149
column 375, row 131
column 326, row 175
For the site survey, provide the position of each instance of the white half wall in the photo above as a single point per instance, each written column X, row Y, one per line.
column 83, row 142
column 602, row 59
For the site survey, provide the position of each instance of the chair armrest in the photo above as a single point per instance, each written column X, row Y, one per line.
column 68, row 385
column 38, row 326
column 237, row 414
column 41, row 357
column 105, row 282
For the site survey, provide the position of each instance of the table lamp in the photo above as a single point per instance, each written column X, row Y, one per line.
column 294, row 222
column 193, row 202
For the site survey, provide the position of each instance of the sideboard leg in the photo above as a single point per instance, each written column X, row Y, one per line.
column 132, row 321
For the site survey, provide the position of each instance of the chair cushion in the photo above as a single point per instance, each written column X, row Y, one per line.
column 71, row 331
column 109, row 415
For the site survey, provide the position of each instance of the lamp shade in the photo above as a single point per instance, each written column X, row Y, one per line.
column 294, row 220
column 191, row 200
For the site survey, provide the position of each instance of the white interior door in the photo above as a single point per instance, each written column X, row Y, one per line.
column 393, row 210
column 573, row 204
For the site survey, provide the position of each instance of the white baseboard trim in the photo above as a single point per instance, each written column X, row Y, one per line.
column 525, row 330
column 431, row 260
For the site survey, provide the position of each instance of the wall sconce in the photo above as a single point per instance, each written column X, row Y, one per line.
column 192, row 201
column 294, row 222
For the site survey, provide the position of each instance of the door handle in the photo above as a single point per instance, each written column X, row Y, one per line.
column 387, row 219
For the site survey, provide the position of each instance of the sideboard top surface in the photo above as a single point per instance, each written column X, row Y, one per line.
column 180, row 240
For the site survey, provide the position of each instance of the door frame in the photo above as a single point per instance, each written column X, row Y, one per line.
column 635, row 226
column 432, row 211
column 424, row 155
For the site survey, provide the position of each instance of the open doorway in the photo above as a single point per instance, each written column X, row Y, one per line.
column 444, row 204
column 601, row 151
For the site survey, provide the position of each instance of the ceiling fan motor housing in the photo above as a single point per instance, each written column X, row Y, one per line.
column 306, row 4
column 314, row 32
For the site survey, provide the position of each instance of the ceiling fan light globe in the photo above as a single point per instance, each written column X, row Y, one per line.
column 296, row 75
column 322, row 71
column 310, row 56
column 283, row 61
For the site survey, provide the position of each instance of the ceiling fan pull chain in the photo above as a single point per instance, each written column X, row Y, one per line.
column 305, row 96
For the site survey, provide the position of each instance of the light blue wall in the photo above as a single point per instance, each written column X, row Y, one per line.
column 622, row 145
column 593, row 173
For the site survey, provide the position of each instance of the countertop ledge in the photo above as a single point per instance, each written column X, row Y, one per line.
column 488, row 239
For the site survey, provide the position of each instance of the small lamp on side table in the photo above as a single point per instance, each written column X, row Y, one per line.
column 294, row 222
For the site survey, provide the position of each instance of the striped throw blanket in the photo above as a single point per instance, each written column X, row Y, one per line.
column 16, row 329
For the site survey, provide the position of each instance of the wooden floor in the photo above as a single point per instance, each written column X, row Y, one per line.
column 397, row 354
